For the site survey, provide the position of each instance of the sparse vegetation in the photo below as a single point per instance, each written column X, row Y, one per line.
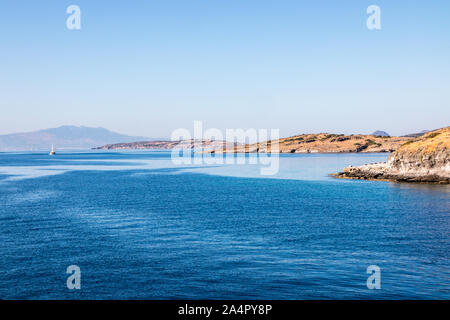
column 361, row 148
column 370, row 142
column 432, row 135
column 328, row 142
column 436, row 140
column 294, row 139
column 328, row 136
column 408, row 142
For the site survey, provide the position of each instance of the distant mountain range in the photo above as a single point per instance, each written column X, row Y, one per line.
column 64, row 137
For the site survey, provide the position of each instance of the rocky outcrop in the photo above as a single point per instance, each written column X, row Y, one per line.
column 426, row 159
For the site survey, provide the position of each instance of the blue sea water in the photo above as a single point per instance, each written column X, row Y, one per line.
column 140, row 227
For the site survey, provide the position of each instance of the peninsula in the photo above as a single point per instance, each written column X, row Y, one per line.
column 322, row 143
column 167, row 145
column 424, row 159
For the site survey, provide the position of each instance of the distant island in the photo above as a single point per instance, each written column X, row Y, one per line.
column 425, row 159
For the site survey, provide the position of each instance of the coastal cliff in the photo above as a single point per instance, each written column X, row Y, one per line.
column 425, row 159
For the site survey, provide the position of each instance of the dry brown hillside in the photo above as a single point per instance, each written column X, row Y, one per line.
column 167, row 145
column 325, row 143
column 428, row 152
column 429, row 142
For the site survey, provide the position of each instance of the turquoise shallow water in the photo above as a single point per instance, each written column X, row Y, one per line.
column 140, row 227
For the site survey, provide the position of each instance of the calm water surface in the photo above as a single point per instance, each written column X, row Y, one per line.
column 141, row 227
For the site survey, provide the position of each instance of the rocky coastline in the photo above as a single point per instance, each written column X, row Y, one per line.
column 425, row 160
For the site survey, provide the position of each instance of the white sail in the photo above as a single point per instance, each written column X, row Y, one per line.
column 53, row 151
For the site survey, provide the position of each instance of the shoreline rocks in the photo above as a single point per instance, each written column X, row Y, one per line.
column 424, row 160
column 382, row 172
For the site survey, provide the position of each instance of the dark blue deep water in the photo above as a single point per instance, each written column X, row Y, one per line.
column 140, row 227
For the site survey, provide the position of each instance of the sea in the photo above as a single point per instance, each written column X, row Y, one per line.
column 139, row 226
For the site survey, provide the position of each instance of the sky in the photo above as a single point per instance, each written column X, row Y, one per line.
column 149, row 67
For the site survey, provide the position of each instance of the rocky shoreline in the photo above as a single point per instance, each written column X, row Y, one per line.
column 426, row 160
column 382, row 172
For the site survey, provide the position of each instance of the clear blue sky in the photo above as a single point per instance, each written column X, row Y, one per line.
column 149, row 67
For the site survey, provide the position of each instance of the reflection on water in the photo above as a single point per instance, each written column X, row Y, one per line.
column 422, row 187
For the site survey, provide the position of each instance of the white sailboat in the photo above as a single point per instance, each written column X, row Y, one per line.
column 52, row 153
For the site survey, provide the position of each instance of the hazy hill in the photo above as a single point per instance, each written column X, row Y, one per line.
column 380, row 133
column 64, row 137
column 418, row 134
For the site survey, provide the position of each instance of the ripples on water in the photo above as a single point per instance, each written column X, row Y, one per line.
column 140, row 227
